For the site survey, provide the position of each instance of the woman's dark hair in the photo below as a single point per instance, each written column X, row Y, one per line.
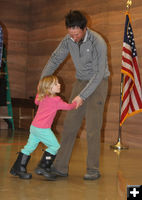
column 75, row 19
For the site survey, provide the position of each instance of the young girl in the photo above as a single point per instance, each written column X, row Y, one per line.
column 40, row 129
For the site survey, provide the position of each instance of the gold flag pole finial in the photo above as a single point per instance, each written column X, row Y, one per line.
column 129, row 3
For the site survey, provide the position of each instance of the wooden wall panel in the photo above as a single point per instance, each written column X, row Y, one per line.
column 14, row 17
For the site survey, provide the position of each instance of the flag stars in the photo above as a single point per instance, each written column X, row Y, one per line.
column 131, row 41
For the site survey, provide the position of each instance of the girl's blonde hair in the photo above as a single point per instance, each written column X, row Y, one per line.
column 45, row 85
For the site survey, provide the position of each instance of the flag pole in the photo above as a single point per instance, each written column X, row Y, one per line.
column 119, row 145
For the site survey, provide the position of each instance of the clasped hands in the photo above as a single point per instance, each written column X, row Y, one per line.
column 78, row 100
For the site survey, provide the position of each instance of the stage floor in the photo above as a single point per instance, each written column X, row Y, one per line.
column 118, row 169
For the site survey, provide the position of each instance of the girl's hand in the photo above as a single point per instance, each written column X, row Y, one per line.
column 78, row 101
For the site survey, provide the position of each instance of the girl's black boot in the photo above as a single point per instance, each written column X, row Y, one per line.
column 19, row 167
column 44, row 165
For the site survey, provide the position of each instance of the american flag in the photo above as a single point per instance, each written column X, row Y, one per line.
column 132, row 92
